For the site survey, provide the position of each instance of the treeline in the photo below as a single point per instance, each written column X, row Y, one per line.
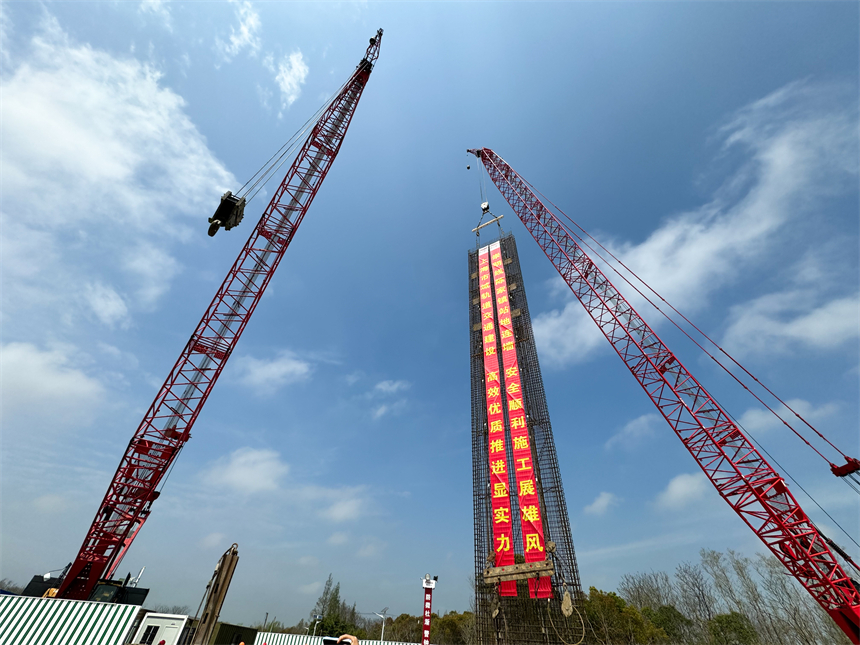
column 724, row 599
column 339, row 617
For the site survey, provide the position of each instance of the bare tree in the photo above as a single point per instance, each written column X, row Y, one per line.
column 695, row 593
column 651, row 589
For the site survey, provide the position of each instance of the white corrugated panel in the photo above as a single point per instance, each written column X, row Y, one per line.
column 269, row 638
column 51, row 621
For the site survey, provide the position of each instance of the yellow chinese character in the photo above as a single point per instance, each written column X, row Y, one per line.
column 505, row 321
column 494, row 408
column 515, row 404
column 508, row 346
column 498, row 467
column 533, row 542
column 489, row 351
column 513, row 388
column 518, row 422
column 486, row 305
column 521, row 442
column 492, row 391
column 511, row 371
column 493, row 376
column 503, row 300
column 490, row 338
column 500, row 490
column 523, row 465
column 497, row 426
column 504, row 310
column 497, row 445
column 527, row 487
column 531, row 514
column 504, row 543
column 488, row 327
column 502, row 516
column 487, row 315
column 507, row 333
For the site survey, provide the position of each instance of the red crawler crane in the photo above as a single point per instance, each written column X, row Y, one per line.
column 753, row 489
column 167, row 424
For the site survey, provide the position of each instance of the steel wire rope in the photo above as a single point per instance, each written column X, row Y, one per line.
column 693, row 340
column 270, row 167
column 782, row 468
column 708, row 338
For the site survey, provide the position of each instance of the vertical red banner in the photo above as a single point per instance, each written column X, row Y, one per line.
column 498, row 460
column 529, row 503
column 428, row 604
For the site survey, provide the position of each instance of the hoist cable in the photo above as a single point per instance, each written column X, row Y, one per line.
column 784, row 470
column 688, row 321
column 265, row 171
column 693, row 340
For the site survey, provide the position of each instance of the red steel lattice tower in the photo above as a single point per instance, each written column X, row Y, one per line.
column 754, row 490
column 167, row 424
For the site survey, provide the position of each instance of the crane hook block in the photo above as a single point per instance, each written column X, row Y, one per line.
column 229, row 213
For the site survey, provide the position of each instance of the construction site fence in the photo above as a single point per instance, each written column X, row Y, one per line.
column 53, row 621
column 270, row 638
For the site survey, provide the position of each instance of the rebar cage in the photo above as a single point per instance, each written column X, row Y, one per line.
column 518, row 620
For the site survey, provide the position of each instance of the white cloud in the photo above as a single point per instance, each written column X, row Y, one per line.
column 682, row 491
column 344, row 510
column 800, row 145
column 151, row 270
column 379, row 411
column 338, row 538
column 107, row 305
column 266, row 376
column 370, row 547
column 50, row 504
column 635, row 430
column 248, row 470
column 247, row 36
column 602, row 503
column 213, row 541
column 342, row 504
column 291, row 75
column 383, row 409
column 43, row 388
column 159, row 9
column 391, row 387
column 760, row 419
column 121, row 144
column 311, row 588
column 308, row 561
column 783, row 321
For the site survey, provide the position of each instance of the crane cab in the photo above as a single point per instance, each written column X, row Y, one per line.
column 229, row 213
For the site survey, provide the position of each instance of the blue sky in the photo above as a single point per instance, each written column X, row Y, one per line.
column 714, row 146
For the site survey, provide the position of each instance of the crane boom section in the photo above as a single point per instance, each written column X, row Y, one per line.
column 754, row 490
column 166, row 427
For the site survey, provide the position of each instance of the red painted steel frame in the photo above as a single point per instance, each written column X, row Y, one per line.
column 167, row 424
column 739, row 473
